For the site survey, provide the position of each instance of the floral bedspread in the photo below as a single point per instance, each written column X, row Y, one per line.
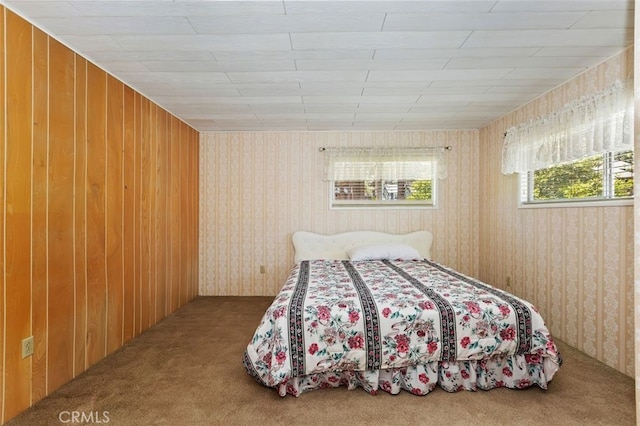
column 395, row 325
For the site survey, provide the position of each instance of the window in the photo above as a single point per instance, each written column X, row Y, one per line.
column 376, row 177
column 368, row 193
column 581, row 152
column 607, row 176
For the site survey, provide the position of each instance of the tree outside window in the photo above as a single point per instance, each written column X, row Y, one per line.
column 607, row 176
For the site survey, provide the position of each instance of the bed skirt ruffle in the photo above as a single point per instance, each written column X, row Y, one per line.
column 515, row 372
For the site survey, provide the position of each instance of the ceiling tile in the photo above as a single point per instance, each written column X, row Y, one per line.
column 411, row 6
column 298, row 76
column 368, row 64
column 478, row 52
column 270, row 54
column 198, row 42
column 430, row 75
column 606, row 19
column 258, row 99
column 588, row 51
column 480, row 21
column 286, row 23
column 175, row 8
column 360, row 99
column 519, row 62
column 38, row 9
column 202, row 78
column 549, row 38
column 282, row 108
column 560, row 5
column 219, row 66
column 531, row 73
column 379, row 40
column 319, row 89
column 87, row 43
column 81, row 25
column 345, row 107
column 143, row 55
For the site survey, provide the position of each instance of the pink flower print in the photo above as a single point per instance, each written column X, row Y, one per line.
column 386, row 312
column 465, row 341
column 494, row 328
column 356, row 342
column 313, row 348
column 506, row 371
column 482, row 329
column 267, row 359
column 533, row 359
column 354, row 316
column 324, row 314
column 402, row 348
column 423, row 378
column 508, row 333
column 402, row 343
column 473, row 307
column 279, row 312
column 504, row 310
column 426, row 305
column 330, row 335
column 281, row 357
column 432, row 347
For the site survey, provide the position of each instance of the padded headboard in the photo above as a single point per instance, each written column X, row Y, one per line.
column 309, row 245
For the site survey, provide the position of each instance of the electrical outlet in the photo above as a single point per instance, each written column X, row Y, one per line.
column 263, row 269
column 508, row 282
column 27, row 347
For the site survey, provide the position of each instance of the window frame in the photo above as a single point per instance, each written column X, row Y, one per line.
column 386, row 204
column 526, row 185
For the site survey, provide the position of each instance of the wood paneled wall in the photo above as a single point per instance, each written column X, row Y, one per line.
column 99, row 212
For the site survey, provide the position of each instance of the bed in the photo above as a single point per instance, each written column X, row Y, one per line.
column 370, row 309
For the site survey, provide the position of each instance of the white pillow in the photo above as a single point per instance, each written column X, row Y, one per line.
column 383, row 251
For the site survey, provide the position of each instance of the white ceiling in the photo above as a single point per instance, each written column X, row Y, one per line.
column 338, row 65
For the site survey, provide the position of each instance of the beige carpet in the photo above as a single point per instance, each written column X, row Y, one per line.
column 188, row 370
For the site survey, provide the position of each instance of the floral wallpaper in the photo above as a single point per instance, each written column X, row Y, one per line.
column 256, row 189
column 636, row 69
column 575, row 263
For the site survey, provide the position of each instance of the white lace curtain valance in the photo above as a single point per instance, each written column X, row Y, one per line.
column 592, row 125
column 361, row 164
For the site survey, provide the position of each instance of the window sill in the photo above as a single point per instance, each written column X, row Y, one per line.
column 382, row 207
column 562, row 204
